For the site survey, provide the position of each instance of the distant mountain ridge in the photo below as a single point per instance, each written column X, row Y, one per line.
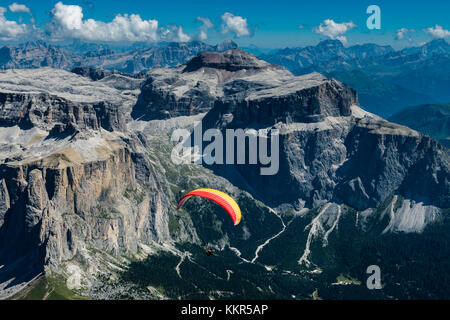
column 332, row 55
column 388, row 80
column 377, row 96
column 431, row 119
column 325, row 54
column 38, row 54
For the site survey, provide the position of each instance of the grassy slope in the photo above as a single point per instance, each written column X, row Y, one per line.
column 47, row 288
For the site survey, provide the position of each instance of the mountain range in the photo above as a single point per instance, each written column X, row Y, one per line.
column 88, row 187
column 38, row 54
column 388, row 80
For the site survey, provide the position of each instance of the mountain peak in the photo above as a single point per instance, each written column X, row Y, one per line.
column 230, row 60
column 437, row 43
column 227, row 44
column 330, row 43
column 36, row 44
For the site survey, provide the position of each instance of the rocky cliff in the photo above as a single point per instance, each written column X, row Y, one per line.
column 49, row 112
column 330, row 149
column 193, row 88
column 73, row 182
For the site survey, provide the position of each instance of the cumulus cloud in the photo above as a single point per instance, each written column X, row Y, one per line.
column 15, row 7
column 181, row 36
column 10, row 30
column 173, row 33
column 402, row 33
column 206, row 25
column 235, row 24
column 438, row 32
column 334, row 30
column 68, row 22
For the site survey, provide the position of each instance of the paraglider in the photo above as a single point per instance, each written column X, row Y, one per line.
column 222, row 199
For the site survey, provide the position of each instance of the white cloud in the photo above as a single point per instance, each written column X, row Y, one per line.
column 67, row 22
column 173, row 33
column 438, row 32
column 206, row 25
column 402, row 32
column 235, row 24
column 202, row 36
column 10, row 30
column 334, row 30
column 181, row 36
column 69, row 17
column 206, row 22
column 15, row 7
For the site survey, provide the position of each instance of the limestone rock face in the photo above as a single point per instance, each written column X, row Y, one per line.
column 389, row 158
column 4, row 201
column 358, row 161
column 289, row 102
column 355, row 193
column 193, row 88
column 330, row 149
column 74, row 182
column 62, row 209
column 45, row 112
column 37, row 199
column 231, row 60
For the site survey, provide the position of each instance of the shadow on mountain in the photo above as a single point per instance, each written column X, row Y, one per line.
column 14, row 275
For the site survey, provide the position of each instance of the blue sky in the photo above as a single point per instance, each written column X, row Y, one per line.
column 270, row 24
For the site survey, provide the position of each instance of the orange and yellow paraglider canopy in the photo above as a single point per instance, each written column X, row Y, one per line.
column 222, row 199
